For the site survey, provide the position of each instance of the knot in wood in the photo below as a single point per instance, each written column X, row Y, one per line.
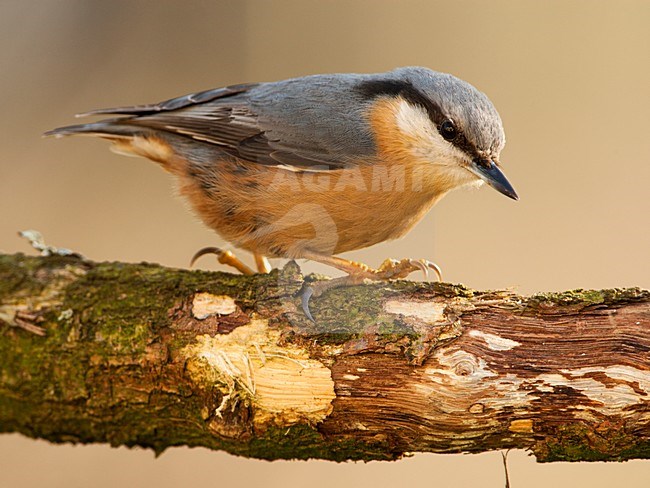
column 465, row 367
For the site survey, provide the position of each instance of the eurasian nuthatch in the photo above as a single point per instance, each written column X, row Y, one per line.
column 315, row 166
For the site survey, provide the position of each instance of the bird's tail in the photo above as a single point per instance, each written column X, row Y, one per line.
column 128, row 140
column 109, row 129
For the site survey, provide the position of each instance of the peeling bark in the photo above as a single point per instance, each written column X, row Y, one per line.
column 137, row 354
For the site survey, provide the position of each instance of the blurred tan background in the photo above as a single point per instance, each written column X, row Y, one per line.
column 570, row 80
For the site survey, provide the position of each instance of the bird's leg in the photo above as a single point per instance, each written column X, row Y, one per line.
column 389, row 269
column 358, row 272
column 263, row 265
column 224, row 257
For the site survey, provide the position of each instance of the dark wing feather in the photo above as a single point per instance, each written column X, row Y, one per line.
column 223, row 117
column 174, row 103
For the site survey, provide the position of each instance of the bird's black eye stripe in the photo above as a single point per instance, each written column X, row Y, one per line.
column 371, row 89
column 448, row 130
column 375, row 88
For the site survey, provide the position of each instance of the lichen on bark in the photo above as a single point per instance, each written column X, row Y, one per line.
column 137, row 354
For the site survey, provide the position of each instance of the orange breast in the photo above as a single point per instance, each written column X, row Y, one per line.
column 279, row 212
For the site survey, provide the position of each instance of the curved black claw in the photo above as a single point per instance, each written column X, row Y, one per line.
column 305, row 296
column 317, row 288
column 204, row 251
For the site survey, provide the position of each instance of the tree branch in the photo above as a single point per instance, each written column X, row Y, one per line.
column 137, row 354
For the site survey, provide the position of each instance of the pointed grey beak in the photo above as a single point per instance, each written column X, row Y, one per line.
column 489, row 172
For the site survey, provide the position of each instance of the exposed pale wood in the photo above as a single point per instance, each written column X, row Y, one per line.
column 144, row 355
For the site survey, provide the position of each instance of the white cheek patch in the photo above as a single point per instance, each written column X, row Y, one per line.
column 414, row 122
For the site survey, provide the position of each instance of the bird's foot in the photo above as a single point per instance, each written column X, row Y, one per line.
column 358, row 272
column 392, row 269
column 224, row 257
column 229, row 259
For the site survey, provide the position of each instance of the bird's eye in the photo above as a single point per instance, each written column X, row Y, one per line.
column 448, row 130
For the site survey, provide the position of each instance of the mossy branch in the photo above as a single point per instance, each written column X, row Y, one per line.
column 141, row 355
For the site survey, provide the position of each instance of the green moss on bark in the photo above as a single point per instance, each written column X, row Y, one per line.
column 110, row 369
column 581, row 442
column 581, row 299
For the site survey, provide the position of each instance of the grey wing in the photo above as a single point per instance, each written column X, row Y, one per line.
column 270, row 134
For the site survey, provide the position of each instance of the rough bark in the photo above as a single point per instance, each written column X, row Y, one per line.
column 137, row 354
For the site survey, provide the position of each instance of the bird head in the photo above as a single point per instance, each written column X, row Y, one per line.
column 448, row 123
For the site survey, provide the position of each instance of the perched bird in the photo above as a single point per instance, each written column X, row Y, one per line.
column 315, row 166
